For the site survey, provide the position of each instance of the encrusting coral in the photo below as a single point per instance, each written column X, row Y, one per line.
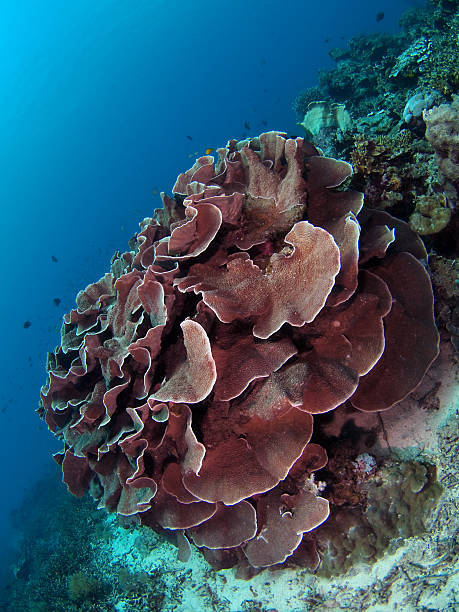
column 188, row 377
column 362, row 532
column 442, row 123
column 432, row 214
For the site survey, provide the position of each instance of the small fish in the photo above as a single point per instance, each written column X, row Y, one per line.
column 57, row 301
column 327, row 40
column 247, row 125
column 379, row 16
column 209, row 150
column 27, row 324
column 53, row 258
column 154, row 192
column 189, row 138
column 264, row 122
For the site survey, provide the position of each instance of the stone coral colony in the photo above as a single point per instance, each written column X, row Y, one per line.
column 188, row 377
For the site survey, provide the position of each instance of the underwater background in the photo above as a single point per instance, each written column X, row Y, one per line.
column 102, row 105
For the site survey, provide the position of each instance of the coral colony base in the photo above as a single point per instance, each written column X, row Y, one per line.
column 190, row 377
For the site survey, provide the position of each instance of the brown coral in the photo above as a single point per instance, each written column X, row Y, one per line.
column 187, row 378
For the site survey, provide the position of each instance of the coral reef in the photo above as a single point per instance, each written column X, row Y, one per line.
column 442, row 132
column 394, row 87
column 139, row 569
column 401, row 91
column 62, row 565
column 55, row 568
column 82, row 587
column 413, row 59
column 382, row 71
column 189, row 377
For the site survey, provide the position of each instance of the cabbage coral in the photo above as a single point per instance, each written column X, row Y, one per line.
column 188, row 377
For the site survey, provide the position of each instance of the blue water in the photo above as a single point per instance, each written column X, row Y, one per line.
column 97, row 102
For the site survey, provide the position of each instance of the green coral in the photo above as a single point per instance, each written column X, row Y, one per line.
column 431, row 215
column 412, row 61
column 398, row 501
